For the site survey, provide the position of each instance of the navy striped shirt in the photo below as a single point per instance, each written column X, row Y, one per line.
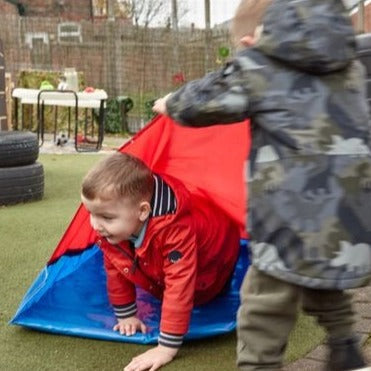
column 163, row 200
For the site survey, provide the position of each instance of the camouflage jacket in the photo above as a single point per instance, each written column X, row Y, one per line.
column 310, row 163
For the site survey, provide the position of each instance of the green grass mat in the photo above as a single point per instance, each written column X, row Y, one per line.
column 29, row 234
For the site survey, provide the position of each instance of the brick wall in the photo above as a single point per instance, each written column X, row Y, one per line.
column 65, row 9
column 3, row 119
column 7, row 8
column 74, row 10
column 367, row 19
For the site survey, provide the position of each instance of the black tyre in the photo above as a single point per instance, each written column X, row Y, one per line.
column 18, row 148
column 21, row 183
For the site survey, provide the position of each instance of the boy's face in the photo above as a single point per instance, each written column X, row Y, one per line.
column 116, row 219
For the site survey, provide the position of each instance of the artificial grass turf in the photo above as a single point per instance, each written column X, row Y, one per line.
column 29, row 234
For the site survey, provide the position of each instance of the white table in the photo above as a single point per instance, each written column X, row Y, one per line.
column 63, row 98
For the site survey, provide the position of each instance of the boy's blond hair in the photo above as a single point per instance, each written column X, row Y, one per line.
column 117, row 176
column 248, row 16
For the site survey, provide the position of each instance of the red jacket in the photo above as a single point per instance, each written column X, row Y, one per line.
column 205, row 244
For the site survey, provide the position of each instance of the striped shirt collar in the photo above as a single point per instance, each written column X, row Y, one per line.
column 163, row 202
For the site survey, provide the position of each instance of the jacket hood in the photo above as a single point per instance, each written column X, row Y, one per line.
column 311, row 35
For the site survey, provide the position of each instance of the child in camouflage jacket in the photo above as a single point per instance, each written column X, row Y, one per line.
column 309, row 174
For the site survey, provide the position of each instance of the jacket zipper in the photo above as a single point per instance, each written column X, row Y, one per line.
column 135, row 266
column 134, row 259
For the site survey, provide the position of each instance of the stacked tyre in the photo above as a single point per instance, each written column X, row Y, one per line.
column 21, row 177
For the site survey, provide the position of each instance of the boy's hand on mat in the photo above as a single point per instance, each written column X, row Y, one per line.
column 153, row 359
column 129, row 326
column 160, row 105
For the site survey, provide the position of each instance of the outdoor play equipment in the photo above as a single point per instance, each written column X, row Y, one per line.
column 69, row 296
column 21, row 177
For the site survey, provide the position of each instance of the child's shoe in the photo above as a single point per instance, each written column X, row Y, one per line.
column 345, row 354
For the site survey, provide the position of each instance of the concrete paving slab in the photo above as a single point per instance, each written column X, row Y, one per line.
column 305, row 365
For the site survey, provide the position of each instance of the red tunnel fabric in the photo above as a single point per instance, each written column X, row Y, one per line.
column 209, row 161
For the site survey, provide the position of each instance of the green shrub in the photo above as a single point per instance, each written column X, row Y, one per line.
column 113, row 117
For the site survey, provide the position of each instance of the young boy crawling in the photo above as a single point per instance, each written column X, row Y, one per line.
column 180, row 248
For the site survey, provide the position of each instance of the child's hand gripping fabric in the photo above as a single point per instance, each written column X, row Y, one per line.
column 160, row 105
column 152, row 359
column 129, row 326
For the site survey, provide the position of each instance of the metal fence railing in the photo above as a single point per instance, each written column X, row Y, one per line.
column 142, row 63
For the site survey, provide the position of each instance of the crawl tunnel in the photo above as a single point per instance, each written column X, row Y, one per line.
column 69, row 295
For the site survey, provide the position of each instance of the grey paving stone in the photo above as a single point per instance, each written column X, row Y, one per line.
column 362, row 294
column 367, row 354
column 319, row 354
column 363, row 309
column 315, row 360
column 305, row 365
column 363, row 326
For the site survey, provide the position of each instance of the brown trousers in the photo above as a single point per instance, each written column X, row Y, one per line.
column 268, row 312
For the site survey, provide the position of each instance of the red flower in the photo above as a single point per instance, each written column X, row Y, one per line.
column 178, row 78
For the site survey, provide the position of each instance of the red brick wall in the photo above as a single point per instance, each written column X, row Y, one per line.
column 65, row 9
column 367, row 18
column 7, row 8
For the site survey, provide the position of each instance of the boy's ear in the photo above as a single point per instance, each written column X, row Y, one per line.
column 144, row 210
